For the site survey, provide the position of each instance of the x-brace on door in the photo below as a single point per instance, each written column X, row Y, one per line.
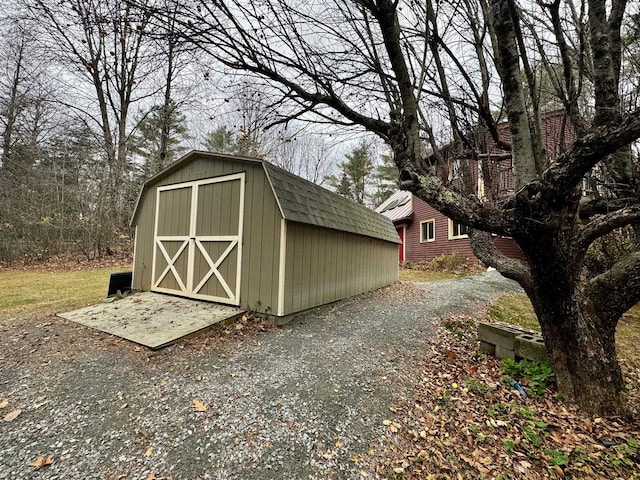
column 197, row 249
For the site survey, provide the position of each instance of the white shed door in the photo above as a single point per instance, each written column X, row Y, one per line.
column 197, row 248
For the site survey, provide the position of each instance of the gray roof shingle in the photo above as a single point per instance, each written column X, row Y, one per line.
column 305, row 202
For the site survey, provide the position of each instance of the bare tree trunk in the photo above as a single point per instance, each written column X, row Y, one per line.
column 167, row 105
column 581, row 349
column 580, row 344
column 13, row 105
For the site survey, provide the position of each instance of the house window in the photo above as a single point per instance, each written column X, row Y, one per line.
column 457, row 168
column 428, row 231
column 502, row 180
column 457, row 230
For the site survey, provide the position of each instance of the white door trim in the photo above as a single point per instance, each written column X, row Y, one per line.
column 194, row 243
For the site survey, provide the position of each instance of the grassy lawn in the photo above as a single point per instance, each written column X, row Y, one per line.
column 25, row 292
column 409, row 275
column 516, row 309
column 442, row 267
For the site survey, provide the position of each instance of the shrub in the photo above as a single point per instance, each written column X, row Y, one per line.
column 453, row 263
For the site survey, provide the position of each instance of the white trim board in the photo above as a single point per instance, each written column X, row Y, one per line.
column 195, row 243
column 282, row 265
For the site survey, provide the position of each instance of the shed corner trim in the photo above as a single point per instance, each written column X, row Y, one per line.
column 282, row 265
column 273, row 190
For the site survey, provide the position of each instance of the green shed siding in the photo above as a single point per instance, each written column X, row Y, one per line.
column 223, row 202
column 169, row 281
column 175, row 208
column 324, row 265
column 261, row 228
column 143, row 258
column 331, row 248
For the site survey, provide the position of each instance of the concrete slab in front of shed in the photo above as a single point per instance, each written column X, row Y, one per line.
column 152, row 319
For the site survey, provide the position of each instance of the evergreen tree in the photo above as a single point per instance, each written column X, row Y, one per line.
column 344, row 186
column 222, row 140
column 385, row 179
column 156, row 151
column 355, row 174
column 359, row 168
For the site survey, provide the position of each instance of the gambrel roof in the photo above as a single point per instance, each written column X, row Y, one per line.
column 299, row 200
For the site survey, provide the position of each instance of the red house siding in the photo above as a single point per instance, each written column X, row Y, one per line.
column 463, row 174
column 558, row 135
column 415, row 250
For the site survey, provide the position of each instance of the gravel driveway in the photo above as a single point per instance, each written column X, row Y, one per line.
column 304, row 401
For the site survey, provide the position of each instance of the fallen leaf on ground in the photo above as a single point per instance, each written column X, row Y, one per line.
column 12, row 415
column 152, row 476
column 41, row 462
column 199, row 405
column 4, row 403
column 148, row 452
column 462, row 421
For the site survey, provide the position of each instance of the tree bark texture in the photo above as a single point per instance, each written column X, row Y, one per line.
column 579, row 337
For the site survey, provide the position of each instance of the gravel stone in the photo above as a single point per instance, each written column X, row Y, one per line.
column 303, row 401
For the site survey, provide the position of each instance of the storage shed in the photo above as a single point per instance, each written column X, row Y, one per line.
column 244, row 232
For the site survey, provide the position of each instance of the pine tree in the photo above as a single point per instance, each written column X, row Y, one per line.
column 355, row 174
column 222, row 140
column 345, row 187
column 358, row 168
column 386, row 180
column 158, row 152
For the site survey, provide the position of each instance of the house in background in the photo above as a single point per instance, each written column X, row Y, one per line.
column 425, row 233
column 487, row 173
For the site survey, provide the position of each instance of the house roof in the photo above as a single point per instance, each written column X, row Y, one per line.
column 299, row 200
column 398, row 206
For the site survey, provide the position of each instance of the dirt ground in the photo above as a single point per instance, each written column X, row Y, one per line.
column 308, row 400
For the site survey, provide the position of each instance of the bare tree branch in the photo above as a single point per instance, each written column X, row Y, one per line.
column 601, row 225
column 511, row 268
column 507, row 64
column 571, row 167
column 609, row 298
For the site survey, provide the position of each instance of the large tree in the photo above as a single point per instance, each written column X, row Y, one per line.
column 385, row 180
column 107, row 55
column 424, row 74
column 158, row 140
